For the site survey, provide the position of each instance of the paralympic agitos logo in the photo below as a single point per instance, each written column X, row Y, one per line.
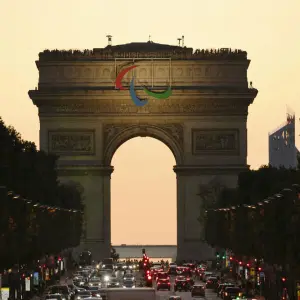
column 136, row 100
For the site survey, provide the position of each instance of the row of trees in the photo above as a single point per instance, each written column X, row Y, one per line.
column 260, row 218
column 41, row 216
column 270, row 229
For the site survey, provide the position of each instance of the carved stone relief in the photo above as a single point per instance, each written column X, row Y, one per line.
column 87, row 73
column 173, row 130
column 106, row 73
column 71, row 142
column 161, row 72
column 215, row 141
column 179, row 72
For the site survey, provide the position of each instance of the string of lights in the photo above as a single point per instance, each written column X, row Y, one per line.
column 30, row 230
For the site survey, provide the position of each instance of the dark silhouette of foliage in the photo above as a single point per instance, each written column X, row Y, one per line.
column 41, row 215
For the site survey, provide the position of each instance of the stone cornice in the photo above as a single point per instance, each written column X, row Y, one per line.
column 191, row 170
column 183, row 103
column 40, row 96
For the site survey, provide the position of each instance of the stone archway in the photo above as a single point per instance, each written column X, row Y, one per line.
column 117, row 134
column 84, row 119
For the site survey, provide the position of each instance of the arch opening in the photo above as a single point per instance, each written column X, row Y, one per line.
column 143, row 131
column 143, row 193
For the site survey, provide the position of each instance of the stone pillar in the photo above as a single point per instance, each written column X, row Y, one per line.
column 190, row 232
column 95, row 181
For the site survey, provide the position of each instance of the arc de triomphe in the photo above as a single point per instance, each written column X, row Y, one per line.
column 84, row 119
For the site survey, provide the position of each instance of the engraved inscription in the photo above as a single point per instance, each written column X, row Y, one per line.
column 216, row 141
column 70, row 142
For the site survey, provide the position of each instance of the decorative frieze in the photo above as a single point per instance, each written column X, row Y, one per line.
column 174, row 130
column 154, row 107
column 69, row 142
column 215, row 141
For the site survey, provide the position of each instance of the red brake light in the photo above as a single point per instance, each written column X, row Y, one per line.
column 149, row 277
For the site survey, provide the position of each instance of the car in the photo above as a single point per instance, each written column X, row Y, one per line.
column 163, row 284
column 205, row 275
column 231, row 293
column 175, row 298
column 83, row 294
column 113, row 282
column 128, row 277
column 184, row 271
column 211, row 282
column 60, row 289
column 128, row 284
column 198, row 290
column 192, row 267
column 222, row 287
column 155, row 270
column 162, row 275
column 54, row 297
column 181, row 284
column 95, row 281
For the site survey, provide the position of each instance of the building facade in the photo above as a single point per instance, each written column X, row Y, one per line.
column 282, row 145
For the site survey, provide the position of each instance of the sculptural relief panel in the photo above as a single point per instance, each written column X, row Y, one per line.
column 215, row 142
column 71, row 142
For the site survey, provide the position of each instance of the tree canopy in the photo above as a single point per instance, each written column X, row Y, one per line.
column 38, row 215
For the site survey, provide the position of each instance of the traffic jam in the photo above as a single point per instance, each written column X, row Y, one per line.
column 189, row 277
column 142, row 280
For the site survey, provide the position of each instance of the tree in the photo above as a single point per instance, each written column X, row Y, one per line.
column 113, row 254
column 41, row 216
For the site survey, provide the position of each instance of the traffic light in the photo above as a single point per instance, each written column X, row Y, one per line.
column 224, row 256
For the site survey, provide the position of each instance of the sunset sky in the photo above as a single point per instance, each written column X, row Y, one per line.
column 268, row 30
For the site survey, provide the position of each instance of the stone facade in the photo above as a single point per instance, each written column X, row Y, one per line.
column 84, row 119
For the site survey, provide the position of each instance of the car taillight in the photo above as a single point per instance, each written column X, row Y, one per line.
column 149, row 277
column 169, row 283
column 240, row 294
column 226, row 294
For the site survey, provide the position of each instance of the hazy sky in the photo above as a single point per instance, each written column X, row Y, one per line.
column 269, row 30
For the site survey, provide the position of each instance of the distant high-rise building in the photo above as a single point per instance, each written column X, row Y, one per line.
column 282, row 146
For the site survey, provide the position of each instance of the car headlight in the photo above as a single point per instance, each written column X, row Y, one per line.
column 133, row 286
column 90, row 284
column 106, row 278
column 78, row 298
column 117, row 283
column 97, row 266
column 130, row 267
column 98, row 295
column 103, row 266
